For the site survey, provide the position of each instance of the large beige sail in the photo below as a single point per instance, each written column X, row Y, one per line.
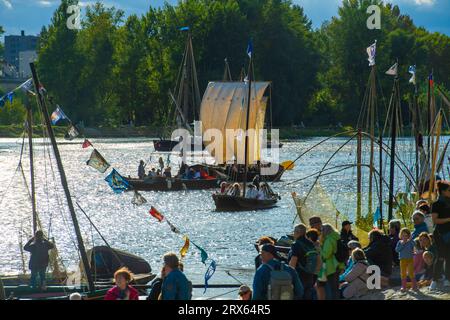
column 224, row 106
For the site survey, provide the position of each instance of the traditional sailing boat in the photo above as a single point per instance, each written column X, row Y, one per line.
column 89, row 267
column 186, row 97
column 222, row 109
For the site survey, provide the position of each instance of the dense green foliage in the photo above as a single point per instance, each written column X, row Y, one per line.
column 115, row 70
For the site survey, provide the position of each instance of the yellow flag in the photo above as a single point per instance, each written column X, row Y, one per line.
column 288, row 165
column 185, row 248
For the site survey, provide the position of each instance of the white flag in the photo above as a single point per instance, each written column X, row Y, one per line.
column 372, row 52
column 393, row 71
column 412, row 70
column 27, row 85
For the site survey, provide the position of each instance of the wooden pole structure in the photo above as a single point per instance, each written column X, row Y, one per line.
column 62, row 174
column 393, row 142
column 31, row 155
column 227, row 71
column 416, row 124
column 372, row 106
column 429, row 118
column 358, row 174
column 250, row 76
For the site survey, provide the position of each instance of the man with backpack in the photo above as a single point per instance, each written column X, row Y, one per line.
column 305, row 259
column 274, row 280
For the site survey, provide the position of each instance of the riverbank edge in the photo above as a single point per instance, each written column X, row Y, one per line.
column 285, row 133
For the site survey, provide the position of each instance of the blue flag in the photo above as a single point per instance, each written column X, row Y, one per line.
column 250, row 48
column 412, row 71
column 209, row 273
column 203, row 253
column 184, row 29
column 10, row 96
column 117, row 182
column 57, row 115
column 376, row 217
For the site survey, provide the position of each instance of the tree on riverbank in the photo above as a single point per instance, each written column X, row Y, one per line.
column 116, row 70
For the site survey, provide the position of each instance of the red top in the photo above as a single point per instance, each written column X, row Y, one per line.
column 113, row 294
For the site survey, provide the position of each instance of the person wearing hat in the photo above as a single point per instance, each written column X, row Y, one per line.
column 262, row 280
column 245, row 293
column 346, row 232
column 315, row 223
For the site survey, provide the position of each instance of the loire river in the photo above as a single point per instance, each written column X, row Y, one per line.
column 227, row 237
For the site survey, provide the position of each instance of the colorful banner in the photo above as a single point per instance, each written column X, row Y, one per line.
column 71, row 133
column 117, row 182
column 86, row 144
column 156, row 214
column 97, row 162
column 184, row 250
column 209, row 273
column 138, row 199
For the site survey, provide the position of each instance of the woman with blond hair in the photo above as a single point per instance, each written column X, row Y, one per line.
column 122, row 290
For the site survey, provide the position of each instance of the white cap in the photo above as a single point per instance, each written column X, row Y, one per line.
column 75, row 296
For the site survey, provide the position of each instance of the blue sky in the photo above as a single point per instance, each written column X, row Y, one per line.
column 31, row 15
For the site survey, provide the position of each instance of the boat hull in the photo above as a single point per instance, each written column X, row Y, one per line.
column 173, row 184
column 225, row 202
column 240, row 177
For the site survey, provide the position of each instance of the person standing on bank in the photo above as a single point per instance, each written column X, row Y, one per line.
column 440, row 211
column 346, row 233
column 275, row 280
column 38, row 247
column 301, row 252
column 175, row 285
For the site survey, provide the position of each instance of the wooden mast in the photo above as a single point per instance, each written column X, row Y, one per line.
column 62, row 174
column 358, row 175
column 227, row 71
column 416, row 123
column 31, row 155
column 250, row 74
column 395, row 104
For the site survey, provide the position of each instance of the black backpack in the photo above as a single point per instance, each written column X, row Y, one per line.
column 341, row 252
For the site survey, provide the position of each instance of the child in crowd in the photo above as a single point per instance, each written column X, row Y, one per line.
column 419, row 224
column 405, row 250
column 419, row 264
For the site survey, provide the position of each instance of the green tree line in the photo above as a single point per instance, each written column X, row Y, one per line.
column 115, row 69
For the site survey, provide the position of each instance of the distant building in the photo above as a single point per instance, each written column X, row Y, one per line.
column 25, row 57
column 16, row 44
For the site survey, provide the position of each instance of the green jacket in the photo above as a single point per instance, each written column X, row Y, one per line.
column 329, row 248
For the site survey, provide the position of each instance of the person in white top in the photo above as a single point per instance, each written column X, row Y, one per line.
column 251, row 192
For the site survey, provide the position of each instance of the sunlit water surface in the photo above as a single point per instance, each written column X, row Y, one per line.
column 227, row 237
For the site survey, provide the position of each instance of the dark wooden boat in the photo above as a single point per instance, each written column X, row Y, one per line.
column 172, row 184
column 226, row 202
column 24, row 292
column 163, row 145
column 251, row 173
column 104, row 261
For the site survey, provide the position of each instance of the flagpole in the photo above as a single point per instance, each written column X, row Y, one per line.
column 62, row 174
column 393, row 142
column 31, row 155
column 248, row 120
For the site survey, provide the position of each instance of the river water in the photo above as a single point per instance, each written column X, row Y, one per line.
column 227, row 237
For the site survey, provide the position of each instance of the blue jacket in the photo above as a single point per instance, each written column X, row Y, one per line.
column 405, row 250
column 350, row 264
column 418, row 229
column 176, row 286
column 262, row 280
